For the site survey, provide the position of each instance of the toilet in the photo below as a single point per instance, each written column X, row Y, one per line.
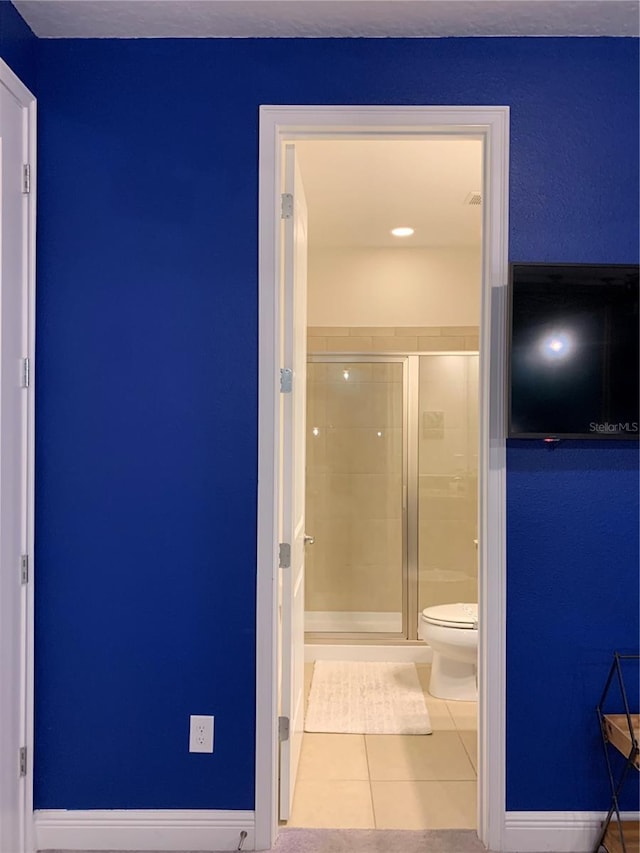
column 452, row 632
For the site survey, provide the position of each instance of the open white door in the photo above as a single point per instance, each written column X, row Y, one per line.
column 15, row 452
column 293, row 439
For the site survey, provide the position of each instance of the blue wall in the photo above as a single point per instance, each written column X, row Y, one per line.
column 18, row 45
column 147, row 407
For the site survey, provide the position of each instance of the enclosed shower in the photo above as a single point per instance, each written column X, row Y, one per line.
column 392, row 483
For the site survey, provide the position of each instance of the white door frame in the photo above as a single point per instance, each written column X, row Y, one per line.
column 24, row 692
column 279, row 124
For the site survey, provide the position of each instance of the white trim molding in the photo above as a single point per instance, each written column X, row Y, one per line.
column 554, row 832
column 165, row 829
column 284, row 124
column 24, row 692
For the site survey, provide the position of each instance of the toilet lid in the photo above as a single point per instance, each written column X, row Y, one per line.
column 452, row 615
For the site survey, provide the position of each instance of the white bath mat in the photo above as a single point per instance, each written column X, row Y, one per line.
column 360, row 697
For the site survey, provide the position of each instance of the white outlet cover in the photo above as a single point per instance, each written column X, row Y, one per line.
column 200, row 733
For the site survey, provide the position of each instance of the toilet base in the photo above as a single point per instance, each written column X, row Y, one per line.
column 452, row 679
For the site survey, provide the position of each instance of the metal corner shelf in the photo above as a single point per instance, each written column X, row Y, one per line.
column 620, row 732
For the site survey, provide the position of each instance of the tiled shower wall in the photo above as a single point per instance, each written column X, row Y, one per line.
column 404, row 339
column 356, row 563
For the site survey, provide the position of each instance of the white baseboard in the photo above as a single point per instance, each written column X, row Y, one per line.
column 553, row 832
column 348, row 621
column 405, row 653
column 179, row 829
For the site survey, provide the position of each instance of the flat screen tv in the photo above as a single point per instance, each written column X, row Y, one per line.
column 573, row 351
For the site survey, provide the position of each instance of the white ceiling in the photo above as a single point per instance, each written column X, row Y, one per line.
column 327, row 18
column 358, row 190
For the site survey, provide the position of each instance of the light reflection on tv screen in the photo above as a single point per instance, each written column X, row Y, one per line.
column 574, row 352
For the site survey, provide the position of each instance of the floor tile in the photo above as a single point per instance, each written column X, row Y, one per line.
column 405, row 757
column 328, row 756
column 464, row 714
column 332, row 804
column 441, row 719
column 470, row 743
column 424, row 805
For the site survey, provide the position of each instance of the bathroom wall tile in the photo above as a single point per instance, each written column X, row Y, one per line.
column 328, row 331
column 374, row 588
column 316, row 447
column 386, row 405
column 349, row 344
column 424, row 805
column 438, row 503
column 377, row 405
column 395, row 344
column 376, row 451
column 333, row 756
column 446, row 546
column 377, row 541
column 316, row 372
column 386, row 371
column 377, row 495
column 435, row 344
column 456, row 331
column 339, row 496
column 418, row 331
column 350, row 406
column 315, row 345
column 356, row 587
column 327, row 564
column 334, row 804
column 315, row 491
column 339, row 441
column 371, row 331
column 432, row 593
column 367, row 589
column 472, row 342
column 440, row 755
column 316, row 402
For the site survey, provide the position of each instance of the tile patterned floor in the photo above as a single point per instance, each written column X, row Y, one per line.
column 392, row 781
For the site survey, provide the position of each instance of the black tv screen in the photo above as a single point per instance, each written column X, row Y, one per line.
column 573, row 351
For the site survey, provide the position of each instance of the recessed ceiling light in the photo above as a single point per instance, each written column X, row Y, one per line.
column 402, row 232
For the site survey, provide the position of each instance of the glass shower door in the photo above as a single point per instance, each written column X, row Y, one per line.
column 448, row 479
column 355, row 576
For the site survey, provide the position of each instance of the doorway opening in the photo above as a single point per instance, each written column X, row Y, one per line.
column 390, row 504
column 281, row 519
column 392, row 426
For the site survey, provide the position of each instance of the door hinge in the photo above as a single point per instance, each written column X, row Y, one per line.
column 24, row 569
column 284, row 555
column 283, row 728
column 23, row 760
column 26, row 370
column 286, row 206
column 26, row 179
column 286, row 380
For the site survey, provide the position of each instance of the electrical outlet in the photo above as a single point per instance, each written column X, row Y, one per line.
column 200, row 733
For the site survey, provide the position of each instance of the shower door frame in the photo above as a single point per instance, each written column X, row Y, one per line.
column 410, row 488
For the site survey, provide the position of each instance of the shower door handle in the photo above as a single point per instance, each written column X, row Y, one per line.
column 309, row 540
